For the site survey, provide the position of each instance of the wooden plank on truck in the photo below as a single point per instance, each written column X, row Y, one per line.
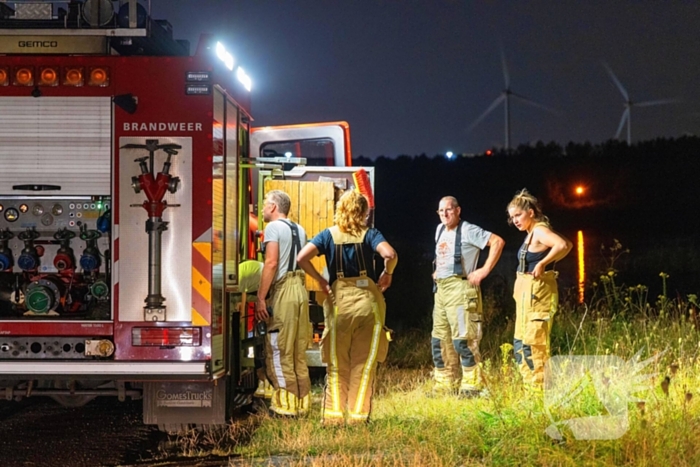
column 312, row 207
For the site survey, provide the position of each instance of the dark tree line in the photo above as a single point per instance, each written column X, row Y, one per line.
column 644, row 195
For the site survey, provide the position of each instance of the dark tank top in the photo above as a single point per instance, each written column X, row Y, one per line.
column 527, row 260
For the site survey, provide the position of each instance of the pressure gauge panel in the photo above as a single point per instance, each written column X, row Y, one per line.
column 11, row 214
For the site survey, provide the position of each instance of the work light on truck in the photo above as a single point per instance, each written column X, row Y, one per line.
column 48, row 76
column 99, row 76
column 166, row 336
column 4, row 76
column 73, row 76
column 24, row 76
column 244, row 79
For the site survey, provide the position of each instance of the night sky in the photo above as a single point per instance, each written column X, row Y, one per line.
column 411, row 76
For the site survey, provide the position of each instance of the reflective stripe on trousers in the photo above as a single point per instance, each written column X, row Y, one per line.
column 287, row 340
column 351, row 347
column 456, row 334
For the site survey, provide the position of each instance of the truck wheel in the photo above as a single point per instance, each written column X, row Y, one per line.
column 67, row 400
column 173, row 428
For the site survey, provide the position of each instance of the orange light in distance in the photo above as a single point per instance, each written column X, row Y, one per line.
column 489, row 152
column 579, row 190
column 73, row 76
column 48, row 77
column 24, row 76
column 4, row 76
column 98, row 77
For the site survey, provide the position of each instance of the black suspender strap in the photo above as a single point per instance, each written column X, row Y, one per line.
column 360, row 260
column 339, row 261
column 522, row 266
column 458, row 251
column 296, row 246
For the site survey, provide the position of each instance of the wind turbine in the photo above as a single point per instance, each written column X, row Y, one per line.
column 504, row 98
column 629, row 103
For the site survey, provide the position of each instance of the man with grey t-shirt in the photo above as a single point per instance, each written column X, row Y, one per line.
column 288, row 325
column 457, row 312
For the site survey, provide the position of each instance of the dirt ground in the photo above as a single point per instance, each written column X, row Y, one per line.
column 105, row 432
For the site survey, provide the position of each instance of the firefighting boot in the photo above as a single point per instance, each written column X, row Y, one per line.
column 444, row 383
column 471, row 382
column 264, row 389
column 303, row 404
column 260, row 391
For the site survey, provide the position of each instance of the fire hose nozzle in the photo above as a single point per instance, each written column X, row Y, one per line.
column 142, row 164
column 173, row 184
column 136, row 184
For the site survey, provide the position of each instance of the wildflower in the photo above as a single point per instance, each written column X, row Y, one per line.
column 674, row 368
column 664, row 385
column 663, row 275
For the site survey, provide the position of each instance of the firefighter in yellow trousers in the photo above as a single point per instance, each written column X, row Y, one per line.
column 288, row 325
column 354, row 339
column 457, row 326
column 536, row 294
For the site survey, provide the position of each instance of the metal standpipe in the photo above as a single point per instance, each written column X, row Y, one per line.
column 154, row 186
column 154, row 301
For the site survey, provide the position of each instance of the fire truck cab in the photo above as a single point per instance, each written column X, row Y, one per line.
column 129, row 174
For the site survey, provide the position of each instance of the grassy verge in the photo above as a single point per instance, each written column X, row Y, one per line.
column 506, row 428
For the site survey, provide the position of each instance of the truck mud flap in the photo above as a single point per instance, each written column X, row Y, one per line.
column 173, row 403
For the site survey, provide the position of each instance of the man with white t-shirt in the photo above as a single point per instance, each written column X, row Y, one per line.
column 287, row 310
column 457, row 313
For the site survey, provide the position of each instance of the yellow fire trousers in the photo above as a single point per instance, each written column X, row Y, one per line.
column 536, row 302
column 353, row 343
column 457, row 331
column 286, row 342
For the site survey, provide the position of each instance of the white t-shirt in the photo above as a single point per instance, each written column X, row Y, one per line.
column 474, row 239
column 279, row 231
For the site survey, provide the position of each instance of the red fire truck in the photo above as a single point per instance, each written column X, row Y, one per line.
column 129, row 173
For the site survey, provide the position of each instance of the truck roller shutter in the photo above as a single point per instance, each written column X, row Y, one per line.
column 64, row 141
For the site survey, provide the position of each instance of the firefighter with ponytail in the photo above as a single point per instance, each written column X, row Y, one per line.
column 535, row 292
column 354, row 339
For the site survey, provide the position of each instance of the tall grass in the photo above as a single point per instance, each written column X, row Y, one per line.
column 508, row 426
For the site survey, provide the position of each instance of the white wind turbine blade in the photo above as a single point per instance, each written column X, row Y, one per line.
column 533, row 103
column 625, row 116
column 617, row 82
column 493, row 105
column 506, row 75
column 656, row 102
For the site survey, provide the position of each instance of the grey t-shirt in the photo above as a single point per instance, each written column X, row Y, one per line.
column 279, row 231
column 474, row 239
